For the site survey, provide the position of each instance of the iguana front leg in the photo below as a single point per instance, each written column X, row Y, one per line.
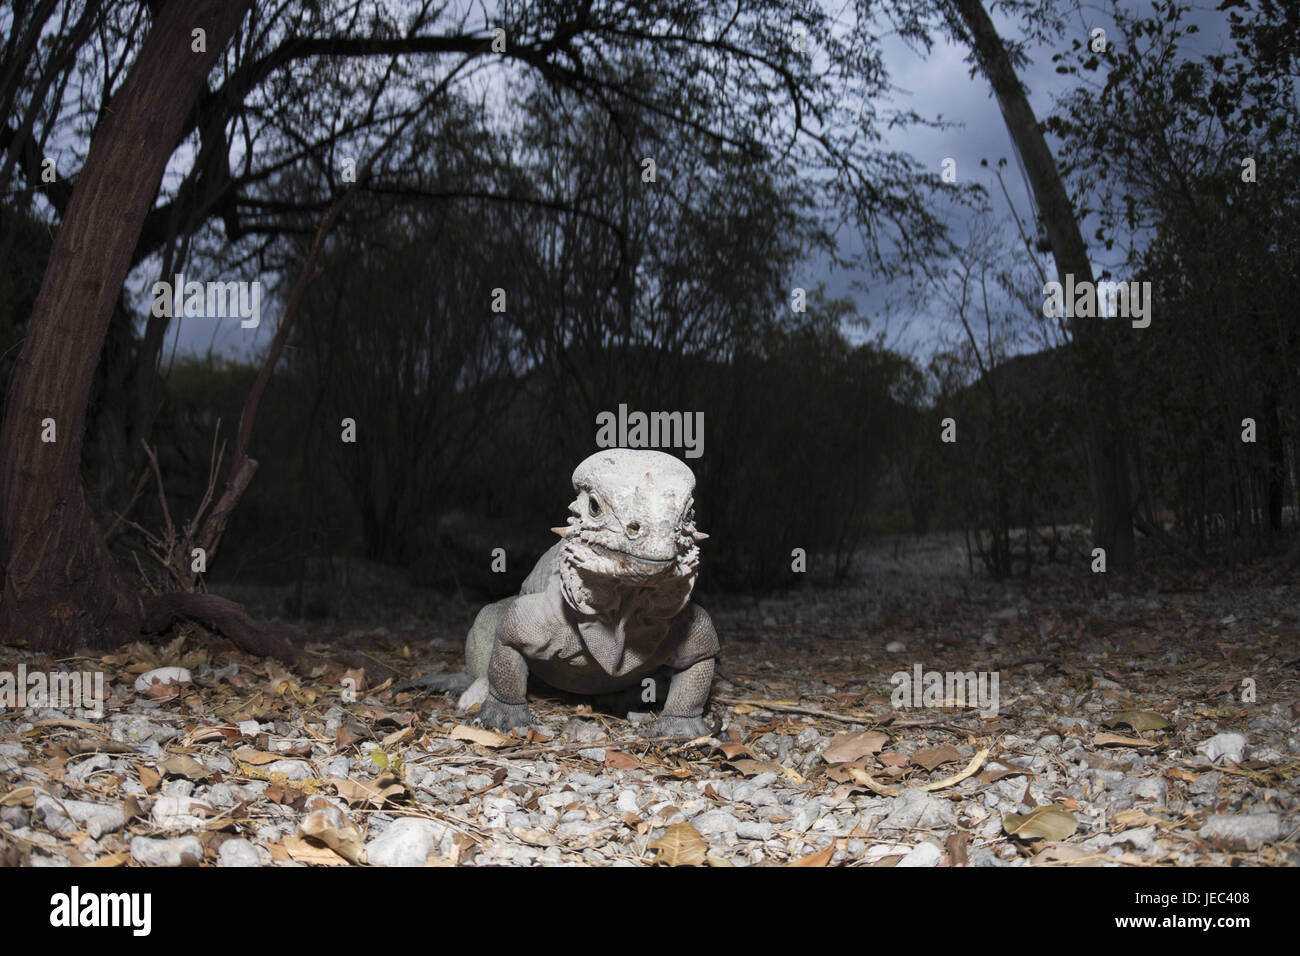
column 683, row 713
column 506, row 706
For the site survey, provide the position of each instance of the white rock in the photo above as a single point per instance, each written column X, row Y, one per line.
column 292, row 769
column 923, row 854
column 1223, row 748
column 238, row 853
column 152, row 852
column 1248, row 828
column 163, row 675
column 408, row 842
column 175, row 812
column 97, row 818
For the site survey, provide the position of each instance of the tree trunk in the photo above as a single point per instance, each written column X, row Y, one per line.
column 60, row 587
column 1112, row 525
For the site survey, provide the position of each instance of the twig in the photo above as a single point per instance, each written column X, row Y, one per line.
column 795, row 709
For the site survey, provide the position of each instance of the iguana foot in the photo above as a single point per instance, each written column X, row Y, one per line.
column 498, row 715
column 669, row 726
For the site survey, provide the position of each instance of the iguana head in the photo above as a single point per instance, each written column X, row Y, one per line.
column 633, row 519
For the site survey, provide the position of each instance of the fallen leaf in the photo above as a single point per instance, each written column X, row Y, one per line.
column 255, row 758
column 479, row 735
column 681, row 845
column 397, row 737
column 820, row 858
column 327, row 824
column 180, row 765
column 975, row 763
column 752, row 768
column 956, row 847
column 862, row 778
column 303, row 852
column 733, row 749
column 534, row 837
column 149, row 778
column 929, row 759
column 1042, row 823
column 845, row 748
column 20, row 797
column 1060, row 853
column 620, row 760
column 358, row 791
column 1119, row 740
column 1138, row 720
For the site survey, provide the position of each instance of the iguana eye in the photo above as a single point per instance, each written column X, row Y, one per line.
column 593, row 506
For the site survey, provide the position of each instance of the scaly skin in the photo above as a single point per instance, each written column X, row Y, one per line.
column 609, row 606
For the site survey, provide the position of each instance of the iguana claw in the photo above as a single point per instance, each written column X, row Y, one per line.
column 498, row 715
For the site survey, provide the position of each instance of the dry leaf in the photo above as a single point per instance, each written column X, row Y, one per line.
column 20, row 797
column 820, row 858
column 534, row 837
column 865, row 779
column 303, row 852
column 1119, row 740
column 327, row 824
column 397, row 737
column 350, row 732
column 179, row 765
column 255, row 758
column 845, row 748
column 619, row 760
column 681, row 845
column 1139, row 720
column 749, row 767
column 358, row 791
column 479, row 735
column 956, row 847
column 1041, row 823
column 732, row 749
column 929, row 759
column 975, row 763
column 1060, row 853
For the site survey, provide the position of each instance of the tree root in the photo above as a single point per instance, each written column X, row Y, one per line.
column 224, row 615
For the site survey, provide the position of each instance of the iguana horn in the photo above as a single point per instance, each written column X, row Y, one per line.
column 698, row 535
column 563, row 532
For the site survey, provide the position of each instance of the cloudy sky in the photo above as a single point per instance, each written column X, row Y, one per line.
column 935, row 84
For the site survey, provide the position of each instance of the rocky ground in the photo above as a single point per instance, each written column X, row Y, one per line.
column 1140, row 722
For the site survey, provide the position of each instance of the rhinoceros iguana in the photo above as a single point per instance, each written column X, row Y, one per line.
column 610, row 604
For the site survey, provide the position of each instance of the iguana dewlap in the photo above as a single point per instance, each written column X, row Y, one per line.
column 610, row 604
